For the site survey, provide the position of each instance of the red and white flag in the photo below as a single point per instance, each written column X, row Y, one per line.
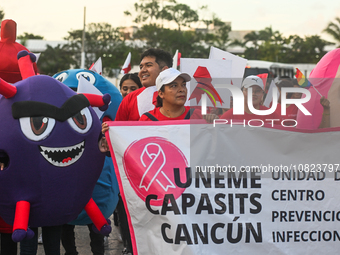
column 176, row 60
column 127, row 65
column 264, row 77
column 97, row 67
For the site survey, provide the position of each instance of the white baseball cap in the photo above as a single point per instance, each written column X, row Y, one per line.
column 169, row 75
column 252, row 80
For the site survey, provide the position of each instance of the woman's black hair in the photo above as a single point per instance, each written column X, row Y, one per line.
column 130, row 76
column 159, row 99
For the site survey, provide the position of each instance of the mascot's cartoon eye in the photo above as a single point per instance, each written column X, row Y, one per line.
column 61, row 77
column 82, row 121
column 88, row 76
column 36, row 128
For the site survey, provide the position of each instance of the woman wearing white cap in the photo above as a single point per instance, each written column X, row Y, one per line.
column 172, row 95
column 257, row 86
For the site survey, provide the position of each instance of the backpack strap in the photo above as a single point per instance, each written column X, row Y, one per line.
column 189, row 113
column 150, row 116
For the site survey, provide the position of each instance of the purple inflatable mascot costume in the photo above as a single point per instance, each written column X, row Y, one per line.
column 49, row 136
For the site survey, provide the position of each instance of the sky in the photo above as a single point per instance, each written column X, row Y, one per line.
column 53, row 21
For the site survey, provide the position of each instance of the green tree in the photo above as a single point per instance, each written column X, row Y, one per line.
column 2, row 15
column 265, row 44
column 252, row 50
column 272, row 45
column 187, row 42
column 333, row 29
column 27, row 36
column 315, row 42
column 305, row 50
column 150, row 17
column 216, row 21
column 54, row 60
column 147, row 11
column 220, row 38
column 101, row 40
column 294, row 50
column 206, row 22
column 181, row 14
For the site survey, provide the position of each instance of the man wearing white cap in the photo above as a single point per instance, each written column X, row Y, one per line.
column 172, row 95
column 257, row 87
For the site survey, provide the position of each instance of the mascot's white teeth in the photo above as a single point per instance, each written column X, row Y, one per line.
column 63, row 156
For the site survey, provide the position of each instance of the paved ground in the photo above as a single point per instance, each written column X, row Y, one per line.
column 83, row 242
column 114, row 247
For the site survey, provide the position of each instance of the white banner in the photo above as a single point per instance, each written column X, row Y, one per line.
column 220, row 72
column 238, row 64
column 249, row 190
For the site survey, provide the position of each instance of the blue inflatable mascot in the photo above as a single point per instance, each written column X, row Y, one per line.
column 106, row 191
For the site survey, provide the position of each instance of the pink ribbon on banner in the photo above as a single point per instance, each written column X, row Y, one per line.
column 153, row 159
